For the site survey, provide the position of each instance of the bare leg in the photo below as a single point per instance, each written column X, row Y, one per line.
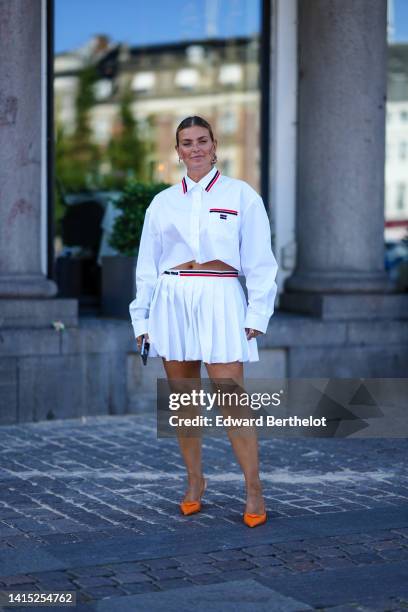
column 190, row 447
column 245, row 445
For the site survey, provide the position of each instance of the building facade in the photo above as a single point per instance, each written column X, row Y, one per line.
column 218, row 79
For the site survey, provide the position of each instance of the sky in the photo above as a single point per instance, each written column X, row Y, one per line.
column 400, row 20
column 152, row 21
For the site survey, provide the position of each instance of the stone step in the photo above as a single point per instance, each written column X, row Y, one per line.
column 37, row 313
column 338, row 307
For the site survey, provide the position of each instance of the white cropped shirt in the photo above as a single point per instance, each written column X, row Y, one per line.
column 216, row 218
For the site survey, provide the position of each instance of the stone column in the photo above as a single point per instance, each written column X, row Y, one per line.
column 341, row 149
column 21, row 159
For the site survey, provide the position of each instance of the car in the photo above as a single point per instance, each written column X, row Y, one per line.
column 396, row 262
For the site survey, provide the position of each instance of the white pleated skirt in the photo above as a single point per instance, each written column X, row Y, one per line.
column 199, row 318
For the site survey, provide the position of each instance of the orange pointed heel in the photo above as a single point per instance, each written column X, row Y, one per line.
column 253, row 520
column 193, row 506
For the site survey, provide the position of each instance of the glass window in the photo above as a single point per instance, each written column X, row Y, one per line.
column 127, row 73
column 103, row 89
column 230, row 74
column 187, row 78
column 143, row 81
column 401, row 195
column 396, row 153
column 228, row 122
column 208, row 52
column 102, row 129
column 227, row 166
column 195, row 54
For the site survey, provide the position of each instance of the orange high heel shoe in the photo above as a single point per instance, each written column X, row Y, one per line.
column 193, row 506
column 253, row 520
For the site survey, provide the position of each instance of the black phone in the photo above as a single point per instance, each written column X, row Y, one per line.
column 144, row 351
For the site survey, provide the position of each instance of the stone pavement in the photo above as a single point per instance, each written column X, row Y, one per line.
column 91, row 506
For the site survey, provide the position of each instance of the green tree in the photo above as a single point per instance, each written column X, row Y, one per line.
column 126, row 151
column 77, row 158
column 84, row 151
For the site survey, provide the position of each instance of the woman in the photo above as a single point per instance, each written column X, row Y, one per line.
column 197, row 236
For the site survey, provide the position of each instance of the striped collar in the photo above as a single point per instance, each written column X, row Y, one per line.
column 207, row 182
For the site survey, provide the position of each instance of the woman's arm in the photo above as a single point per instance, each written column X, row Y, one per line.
column 258, row 265
column 146, row 275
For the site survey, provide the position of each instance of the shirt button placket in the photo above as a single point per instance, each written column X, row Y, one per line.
column 195, row 222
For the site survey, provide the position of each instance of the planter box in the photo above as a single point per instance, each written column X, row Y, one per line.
column 80, row 278
column 118, row 285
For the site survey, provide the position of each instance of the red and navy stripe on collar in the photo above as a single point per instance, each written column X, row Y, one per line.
column 212, row 182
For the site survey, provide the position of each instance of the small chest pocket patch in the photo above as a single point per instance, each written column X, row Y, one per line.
column 223, row 222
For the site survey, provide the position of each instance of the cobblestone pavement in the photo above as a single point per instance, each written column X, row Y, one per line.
column 91, row 505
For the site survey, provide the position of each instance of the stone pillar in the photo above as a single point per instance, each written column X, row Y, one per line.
column 21, row 157
column 23, row 283
column 341, row 149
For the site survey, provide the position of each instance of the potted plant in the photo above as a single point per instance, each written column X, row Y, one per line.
column 118, row 271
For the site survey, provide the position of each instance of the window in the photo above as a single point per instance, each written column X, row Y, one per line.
column 195, row 54
column 103, row 89
column 187, row 78
column 230, row 74
column 209, row 65
column 401, row 193
column 396, row 204
column 144, row 127
column 228, row 122
column 178, row 60
column 102, row 127
column 143, row 81
column 226, row 167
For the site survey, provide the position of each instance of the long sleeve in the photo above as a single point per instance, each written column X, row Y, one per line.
column 258, row 265
column 146, row 275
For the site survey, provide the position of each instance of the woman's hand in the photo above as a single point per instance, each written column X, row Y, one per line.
column 252, row 333
column 139, row 340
